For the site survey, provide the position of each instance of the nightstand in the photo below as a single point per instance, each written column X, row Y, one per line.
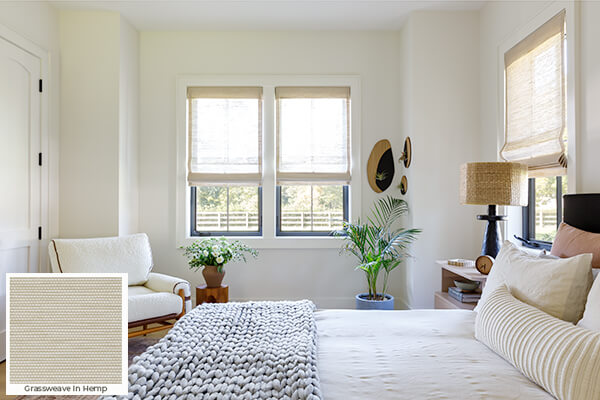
column 212, row 295
column 450, row 273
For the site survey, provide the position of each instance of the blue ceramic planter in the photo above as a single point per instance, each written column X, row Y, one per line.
column 363, row 304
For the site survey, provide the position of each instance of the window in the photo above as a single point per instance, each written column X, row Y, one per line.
column 544, row 213
column 226, row 210
column 225, row 160
column 535, row 124
column 311, row 210
column 313, row 159
column 267, row 157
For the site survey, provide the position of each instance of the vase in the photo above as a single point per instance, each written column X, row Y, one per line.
column 362, row 302
column 212, row 276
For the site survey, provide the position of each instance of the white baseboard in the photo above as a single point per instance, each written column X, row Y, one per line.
column 2, row 346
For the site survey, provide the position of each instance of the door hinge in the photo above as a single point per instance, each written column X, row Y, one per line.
column 40, row 86
column 40, row 159
column 39, row 233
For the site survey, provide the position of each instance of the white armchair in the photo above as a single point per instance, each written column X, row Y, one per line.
column 153, row 298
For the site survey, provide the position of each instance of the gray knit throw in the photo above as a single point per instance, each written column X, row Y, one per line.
column 256, row 350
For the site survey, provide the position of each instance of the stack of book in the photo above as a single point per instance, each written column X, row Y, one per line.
column 464, row 297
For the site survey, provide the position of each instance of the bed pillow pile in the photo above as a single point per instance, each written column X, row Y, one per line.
column 558, row 287
column 562, row 358
column 591, row 316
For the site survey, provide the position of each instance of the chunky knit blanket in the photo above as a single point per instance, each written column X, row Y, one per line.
column 256, row 350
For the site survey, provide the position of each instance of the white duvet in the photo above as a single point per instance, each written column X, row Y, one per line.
column 418, row 354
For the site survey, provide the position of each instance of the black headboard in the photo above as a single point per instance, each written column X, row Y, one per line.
column 582, row 211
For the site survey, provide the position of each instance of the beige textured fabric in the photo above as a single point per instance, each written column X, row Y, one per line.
column 497, row 183
column 313, row 135
column 562, row 358
column 558, row 287
column 66, row 330
column 535, row 100
column 224, row 135
column 591, row 316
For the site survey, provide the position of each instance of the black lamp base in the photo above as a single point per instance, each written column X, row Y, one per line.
column 492, row 240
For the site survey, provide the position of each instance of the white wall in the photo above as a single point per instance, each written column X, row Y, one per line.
column 498, row 20
column 379, row 58
column 588, row 168
column 89, row 139
column 128, row 128
column 440, row 110
column 322, row 275
column 99, row 124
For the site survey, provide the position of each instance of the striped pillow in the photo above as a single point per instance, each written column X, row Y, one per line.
column 560, row 357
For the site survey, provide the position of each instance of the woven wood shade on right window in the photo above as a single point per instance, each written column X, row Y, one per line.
column 535, row 100
column 313, row 135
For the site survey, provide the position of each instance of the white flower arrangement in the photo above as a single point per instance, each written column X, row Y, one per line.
column 217, row 252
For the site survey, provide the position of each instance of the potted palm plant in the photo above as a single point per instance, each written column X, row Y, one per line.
column 213, row 254
column 379, row 247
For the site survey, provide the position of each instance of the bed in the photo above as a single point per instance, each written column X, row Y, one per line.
column 416, row 354
column 343, row 354
column 424, row 354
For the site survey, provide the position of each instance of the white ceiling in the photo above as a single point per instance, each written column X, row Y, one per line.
column 223, row 15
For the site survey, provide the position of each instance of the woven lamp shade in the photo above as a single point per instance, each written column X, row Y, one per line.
column 494, row 183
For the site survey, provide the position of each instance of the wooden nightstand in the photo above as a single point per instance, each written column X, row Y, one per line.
column 212, row 295
column 450, row 273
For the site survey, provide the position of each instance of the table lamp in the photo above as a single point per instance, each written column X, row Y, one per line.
column 493, row 184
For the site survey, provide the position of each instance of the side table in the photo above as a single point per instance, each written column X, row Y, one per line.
column 212, row 295
column 442, row 300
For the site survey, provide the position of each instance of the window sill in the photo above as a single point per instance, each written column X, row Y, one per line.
column 289, row 242
column 536, row 245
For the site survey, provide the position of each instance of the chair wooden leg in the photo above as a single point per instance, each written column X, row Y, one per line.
column 149, row 330
column 145, row 327
column 181, row 294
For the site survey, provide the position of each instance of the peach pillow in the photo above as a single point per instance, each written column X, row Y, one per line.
column 570, row 241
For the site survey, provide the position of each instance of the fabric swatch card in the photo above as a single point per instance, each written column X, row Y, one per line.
column 66, row 334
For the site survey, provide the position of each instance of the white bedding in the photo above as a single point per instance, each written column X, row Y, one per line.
column 418, row 354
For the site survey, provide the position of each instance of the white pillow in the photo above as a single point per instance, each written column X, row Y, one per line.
column 591, row 316
column 562, row 358
column 125, row 254
column 558, row 287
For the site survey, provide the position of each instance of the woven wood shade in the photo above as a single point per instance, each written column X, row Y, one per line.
column 535, row 101
column 224, row 135
column 494, row 183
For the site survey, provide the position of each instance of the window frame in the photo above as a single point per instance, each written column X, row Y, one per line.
column 528, row 216
column 269, row 239
column 279, row 232
column 193, row 215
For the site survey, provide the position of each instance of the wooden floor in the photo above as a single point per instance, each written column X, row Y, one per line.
column 137, row 346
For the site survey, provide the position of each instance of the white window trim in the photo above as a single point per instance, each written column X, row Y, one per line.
column 268, row 82
column 513, row 225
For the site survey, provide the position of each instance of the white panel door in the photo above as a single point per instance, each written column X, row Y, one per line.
column 20, row 182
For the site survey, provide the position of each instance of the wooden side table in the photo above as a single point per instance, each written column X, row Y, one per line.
column 450, row 273
column 212, row 295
